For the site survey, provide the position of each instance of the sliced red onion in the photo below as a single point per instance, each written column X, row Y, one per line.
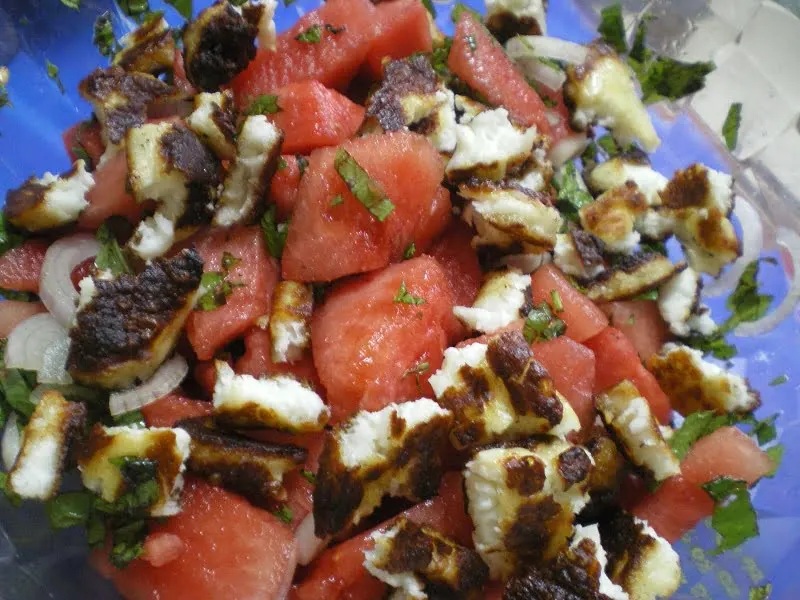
column 548, row 47
column 752, row 242
column 308, row 544
column 568, row 148
column 791, row 241
column 12, row 442
column 168, row 377
column 39, row 344
column 55, row 284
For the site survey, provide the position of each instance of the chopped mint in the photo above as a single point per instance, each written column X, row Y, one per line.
column 612, row 28
column 110, row 257
column 734, row 518
column 362, row 186
column 730, row 129
column 264, row 104
column 404, row 297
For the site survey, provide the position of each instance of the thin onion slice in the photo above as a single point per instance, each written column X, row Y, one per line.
column 548, row 47
column 55, row 285
column 568, row 148
column 12, row 442
column 308, row 544
column 533, row 68
column 752, row 242
column 791, row 241
column 39, row 344
column 168, row 377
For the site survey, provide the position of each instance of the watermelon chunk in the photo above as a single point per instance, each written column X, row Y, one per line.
column 256, row 271
column 403, row 29
column 257, row 360
column 365, row 344
column 333, row 61
column 313, row 116
column 641, row 322
column 284, row 186
column 172, row 408
column 14, row 312
column 230, row 550
column 109, row 196
column 21, row 267
column 84, row 137
column 328, row 239
column 478, row 59
column 572, row 367
column 676, row 507
column 581, row 315
column 617, row 360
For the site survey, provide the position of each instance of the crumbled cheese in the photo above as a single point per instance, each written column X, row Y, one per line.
column 281, row 402
column 618, row 171
column 592, row 534
column 612, row 217
column 266, row 24
column 87, row 292
column 567, row 258
column 212, row 115
column 153, row 236
column 504, row 297
column 677, row 299
column 290, row 324
column 444, row 133
column 467, row 109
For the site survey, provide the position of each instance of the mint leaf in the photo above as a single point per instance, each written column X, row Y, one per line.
column 745, row 302
column 274, row 233
column 284, row 514
column 779, row 380
column 134, row 8
column 263, row 104
column 734, row 518
column 73, row 4
column 362, row 186
column 730, row 129
column 612, row 28
column 312, row 35
column 409, row 252
column 184, row 7
column 775, row 454
column 541, row 325
column 309, row 476
column 762, row 592
column 217, row 290
column 52, row 73
column 103, row 36
column 110, row 256
column 695, row 426
column 404, row 297
column 665, row 78
column 10, row 237
column 69, row 509
column 17, row 394
column 571, row 195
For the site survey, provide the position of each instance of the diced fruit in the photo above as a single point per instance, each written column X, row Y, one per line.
column 21, row 267
column 346, row 29
column 339, row 573
column 257, row 360
column 572, row 367
column 252, row 278
column 581, row 315
column 726, row 453
column 284, row 186
column 83, row 139
column 332, row 234
column 675, row 508
column 366, row 345
column 109, row 196
column 641, row 322
column 231, row 550
column 162, row 548
column 403, row 29
column 312, row 116
column 14, row 312
column 478, row 59
column 173, row 408
column 617, row 360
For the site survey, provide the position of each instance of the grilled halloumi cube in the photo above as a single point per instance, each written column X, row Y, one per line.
column 168, row 448
column 150, row 48
column 258, row 150
column 609, row 464
column 498, row 392
column 218, row 45
column 612, row 218
column 127, row 326
column 632, row 275
column 36, row 473
column 214, row 121
column 523, row 501
column 505, row 215
column 694, row 384
column 248, row 467
column 678, row 301
column 640, row 561
column 579, row 254
column 602, row 92
column 508, row 18
column 467, row 109
column 419, row 562
column 290, row 322
column 395, row 451
column 281, row 402
column 504, row 297
column 619, row 170
column 120, row 100
column 627, row 417
column 50, row 201
column 587, row 542
column 261, row 13
column 491, row 147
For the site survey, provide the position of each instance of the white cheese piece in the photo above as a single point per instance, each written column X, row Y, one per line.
column 150, row 175
column 406, row 583
column 87, row 292
column 266, row 25
column 468, row 109
column 281, row 402
column 445, row 132
column 567, row 258
column 677, row 299
column 290, row 323
column 612, row 218
column 502, row 299
column 592, row 534
column 153, row 236
column 618, row 171
column 204, row 121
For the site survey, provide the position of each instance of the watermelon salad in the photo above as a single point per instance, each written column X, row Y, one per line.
column 358, row 310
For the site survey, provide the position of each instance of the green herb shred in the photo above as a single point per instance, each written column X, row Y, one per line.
column 263, row 104
column 779, row 380
column 571, row 195
column 734, row 518
column 361, row 185
column 612, row 28
column 52, row 73
column 110, row 257
column 404, row 297
column 312, row 35
column 541, row 325
column 410, row 251
column 730, row 129
column 274, row 233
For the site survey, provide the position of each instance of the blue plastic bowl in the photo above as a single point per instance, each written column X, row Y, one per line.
column 34, row 563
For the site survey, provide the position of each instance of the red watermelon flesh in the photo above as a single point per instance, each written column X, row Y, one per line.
column 84, row 137
column 109, row 195
column 172, row 408
column 478, row 59
column 21, row 267
column 257, row 360
column 284, row 186
column 333, row 61
column 365, row 343
column 230, row 550
column 641, row 322
column 257, row 274
column 328, row 239
column 313, row 116
column 403, row 29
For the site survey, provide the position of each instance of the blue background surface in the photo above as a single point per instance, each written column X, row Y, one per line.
column 30, row 143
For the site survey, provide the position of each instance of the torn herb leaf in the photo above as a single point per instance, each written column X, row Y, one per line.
column 312, row 35
column 134, row 8
column 184, row 7
column 715, row 344
column 337, row 200
column 555, row 300
column 734, row 518
column 134, row 418
column 284, row 514
column 309, row 476
column 775, row 454
column 571, row 195
column 404, row 297
column 730, row 129
column 612, row 28
column 695, row 426
column 762, row 592
column 110, row 257
column 779, row 380
column 419, row 369
column 459, row 9
column 217, row 290
column 665, row 78
column 52, row 73
column 410, row 251
column 542, row 325
column 103, row 36
column 69, row 509
column 263, row 104
column 439, row 58
column 274, row 233
column 10, row 237
column 362, row 186
column 745, row 302
column 73, row 4
column 282, row 164
column 639, row 51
